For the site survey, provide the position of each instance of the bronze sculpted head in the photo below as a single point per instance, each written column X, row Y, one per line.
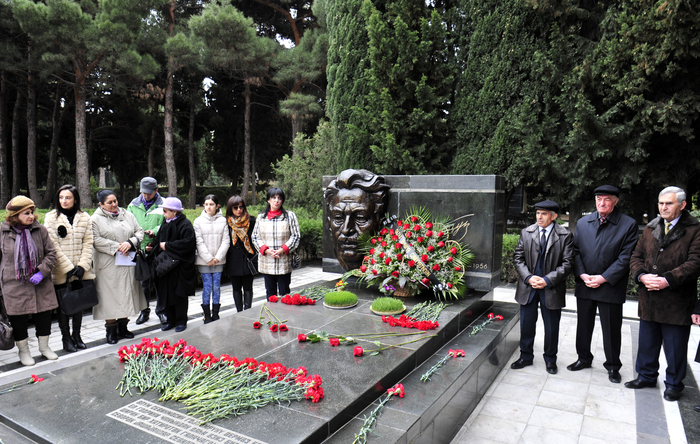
column 356, row 202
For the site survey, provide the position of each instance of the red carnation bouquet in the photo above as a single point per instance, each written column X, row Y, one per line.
column 407, row 253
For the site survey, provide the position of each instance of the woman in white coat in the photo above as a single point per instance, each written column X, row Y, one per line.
column 70, row 231
column 115, row 231
column 212, row 244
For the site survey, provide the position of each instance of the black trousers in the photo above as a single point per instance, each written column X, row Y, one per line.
column 674, row 338
column 610, row 321
column 528, row 324
column 149, row 291
column 177, row 313
column 243, row 281
column 273, row 282
column 20, row 325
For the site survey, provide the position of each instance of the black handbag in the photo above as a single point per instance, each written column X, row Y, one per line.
column 143, row 267
column 77, row 296
column 7, row 341
column 164, row 264
column 252, row 264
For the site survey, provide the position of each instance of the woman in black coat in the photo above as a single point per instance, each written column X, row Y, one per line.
column 176, row 239
column 240, row 252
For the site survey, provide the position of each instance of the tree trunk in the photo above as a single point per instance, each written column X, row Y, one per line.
column 254, row 200
column 4, row 182
column 82, row 164
column 31, row 138
column 152, row 152
column 190, row 154
column 57, row 123
column 575, row 210
column 169, row 149
column 15, row 144
column 246, row 144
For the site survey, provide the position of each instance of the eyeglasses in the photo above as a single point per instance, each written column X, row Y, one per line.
column 238, row 207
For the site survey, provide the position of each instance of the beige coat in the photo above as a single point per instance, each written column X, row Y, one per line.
column 75, row 249
column 27, row 298
column 118, row 291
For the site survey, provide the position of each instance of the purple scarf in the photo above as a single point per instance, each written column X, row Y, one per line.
column 26, row 256
column 148, row 204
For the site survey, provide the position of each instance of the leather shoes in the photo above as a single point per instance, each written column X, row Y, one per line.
column 520, row 363
column 639, row 384
column 180, row 327
column 167, row 326
column 696, row 408
column 552, row 368
column 672, row 395
column 614, row 376
column 143, row 317
column 578, row 365
column 163, row 318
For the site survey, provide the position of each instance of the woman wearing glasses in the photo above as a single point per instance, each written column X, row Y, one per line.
column 239, row 258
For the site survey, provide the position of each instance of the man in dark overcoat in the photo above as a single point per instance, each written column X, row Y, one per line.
column 666, row 263
column 603, row 244
column 543, row 258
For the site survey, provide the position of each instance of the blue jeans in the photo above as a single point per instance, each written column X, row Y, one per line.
column 212, row 286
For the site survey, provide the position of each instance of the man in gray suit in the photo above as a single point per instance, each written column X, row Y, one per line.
column 543, row 258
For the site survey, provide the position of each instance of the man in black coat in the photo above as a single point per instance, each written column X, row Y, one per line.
column 543, row 258
column 603, row 244
column 666, row 264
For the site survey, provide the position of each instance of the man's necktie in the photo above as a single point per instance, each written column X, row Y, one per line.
column 668, row 227
column 602, row 220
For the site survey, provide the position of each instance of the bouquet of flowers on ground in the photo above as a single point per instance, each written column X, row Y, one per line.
column 415, row 253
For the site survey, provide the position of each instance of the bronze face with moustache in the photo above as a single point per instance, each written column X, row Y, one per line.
column 356, row 201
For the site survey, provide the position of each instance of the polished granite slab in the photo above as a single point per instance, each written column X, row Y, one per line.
column 74, row 402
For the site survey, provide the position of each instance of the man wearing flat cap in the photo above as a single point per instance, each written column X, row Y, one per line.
column 543, row 258
column 603, row 244
column 666, row 264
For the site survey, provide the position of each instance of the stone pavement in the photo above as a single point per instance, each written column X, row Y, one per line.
column 532, row 406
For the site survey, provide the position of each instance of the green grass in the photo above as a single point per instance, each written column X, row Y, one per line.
column 386, row 304
column 340, row 298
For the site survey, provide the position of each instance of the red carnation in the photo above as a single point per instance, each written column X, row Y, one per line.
column 441, row 244
column 383, row 232
column 458, row 269
column 363, row 268
column 406, row 226
column 419, row 239
column 398, row 246
column 408, row 235
column 431, row 248
column 424, row 258
column 411, row 264
column 391, row 231
column 429, row 225
column 416, row 228
column 440, row 234
column 428, row 233
column 274, row 328
column 395, row 274
column 399, row 257
column 381, row 255
column 374, row 272
column 302, row 337
column 383, row 244
column 394, row 238
column 453, row 250
column 358, row 351
column 257, row 324
column 371, row 251
column 436, row 267
column 273, row 298
column 335, row 342
column 283, row 327
column 374, row 241
column 399, row 222
column 372, row 262
column 450, row 259
column 414, row 219
column 449, row 285
column 426, row 281
column 387, row 261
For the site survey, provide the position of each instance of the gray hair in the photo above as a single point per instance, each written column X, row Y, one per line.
column 680, row 194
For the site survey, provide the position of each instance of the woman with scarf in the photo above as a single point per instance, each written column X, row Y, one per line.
column 212, row 245
column 176, row 240
column 70, row 231
column 115, row 231
column 276, row 235
column 240, row 252
column 28, row 255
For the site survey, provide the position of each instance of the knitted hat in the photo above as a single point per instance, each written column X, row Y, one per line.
column 19, row 204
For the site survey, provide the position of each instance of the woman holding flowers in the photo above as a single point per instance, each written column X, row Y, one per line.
column 115, row 231
column 276, row 236
column 27, row 257
column 70, row 231
column 176, row 240
column 212, row 245
column 241, row 251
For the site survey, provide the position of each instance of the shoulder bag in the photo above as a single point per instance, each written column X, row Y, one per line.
column 143, row 268
column 252, row 263
column 164, row 264
column 77, row 296
column 7, row 341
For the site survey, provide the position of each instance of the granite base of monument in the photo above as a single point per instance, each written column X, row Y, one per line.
column 81, row 403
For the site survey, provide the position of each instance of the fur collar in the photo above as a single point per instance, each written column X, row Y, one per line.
column 657, row 227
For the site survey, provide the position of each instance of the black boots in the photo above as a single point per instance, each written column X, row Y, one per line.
column 238, row 300
column 215, row 311
column 207, row 313
column 63, row 325
column 77, row 324
column 122, row 331
column 112, row 337
column 247, row 299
